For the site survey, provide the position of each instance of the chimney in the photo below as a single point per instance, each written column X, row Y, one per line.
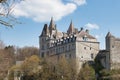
column 81, row 29
column 87, row 31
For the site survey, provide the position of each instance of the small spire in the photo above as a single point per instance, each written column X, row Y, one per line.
column 71, row 28
column 71, row 24
column 52, row 25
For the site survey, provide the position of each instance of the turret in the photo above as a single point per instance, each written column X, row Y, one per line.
column 45, row 31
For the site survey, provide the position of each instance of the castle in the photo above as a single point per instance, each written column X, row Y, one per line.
column 79, row 45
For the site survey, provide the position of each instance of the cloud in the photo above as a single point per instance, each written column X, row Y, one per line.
column 79, row 2
column 99, row 36
column 43, row 10
column 91, row 26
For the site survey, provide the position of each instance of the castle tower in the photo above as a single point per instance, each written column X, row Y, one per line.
column 42, row 40
column 47, row 38
column 109, row 41
column 112, row 45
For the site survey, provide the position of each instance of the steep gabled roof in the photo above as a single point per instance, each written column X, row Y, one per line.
column 59, row 35
column 65, row 34
column 109, row 35
column 83, row 33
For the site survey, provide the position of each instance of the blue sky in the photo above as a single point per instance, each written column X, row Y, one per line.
column 100, row 16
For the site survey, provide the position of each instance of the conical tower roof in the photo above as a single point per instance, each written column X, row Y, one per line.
column 45, row 31
column 71, row 28
column 52, row 25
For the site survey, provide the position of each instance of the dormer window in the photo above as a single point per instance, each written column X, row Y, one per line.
column 85, row 38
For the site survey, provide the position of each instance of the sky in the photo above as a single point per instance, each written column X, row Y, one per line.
column 99, row 16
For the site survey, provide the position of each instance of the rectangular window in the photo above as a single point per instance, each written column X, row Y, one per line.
column 85, row 38
column 84, row 48
column 69, row 47
column 63, row 49
column 58, row 57
column 66, row 48
column 47, row 45
column 47, row 53
column 73, row 46
column 112, row 46
column 90, row 48
column 57, row 50
column 42, row 47
column 42, row 39
column 42, row 55
column 92, row 56
column 69, row 55
column 81, row 56
column 65, row 55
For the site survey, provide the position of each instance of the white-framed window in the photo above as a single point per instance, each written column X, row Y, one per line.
column 85, row 38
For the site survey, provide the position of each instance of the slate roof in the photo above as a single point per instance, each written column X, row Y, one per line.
column 83, row 33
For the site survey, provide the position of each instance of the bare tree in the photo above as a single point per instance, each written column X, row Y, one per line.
column 6, row 60
column 25, row 52
column 6, row 7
